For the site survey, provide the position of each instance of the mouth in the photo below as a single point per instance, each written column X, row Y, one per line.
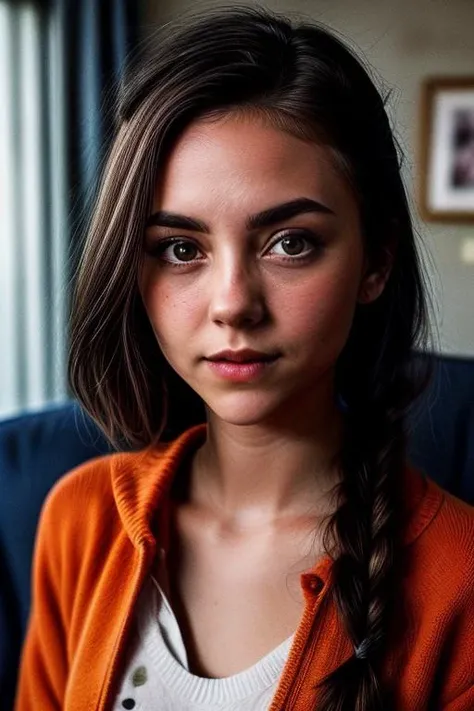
column 245, row 356
column 243, row 366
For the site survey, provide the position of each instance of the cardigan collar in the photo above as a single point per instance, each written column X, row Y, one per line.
column 141, row 482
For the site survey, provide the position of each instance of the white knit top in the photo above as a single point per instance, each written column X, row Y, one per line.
column 157, row 676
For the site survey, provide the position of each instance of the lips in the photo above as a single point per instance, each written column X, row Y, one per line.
column 243, row 356
column 245, row 366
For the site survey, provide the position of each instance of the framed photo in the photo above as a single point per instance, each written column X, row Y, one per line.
column 447, row 150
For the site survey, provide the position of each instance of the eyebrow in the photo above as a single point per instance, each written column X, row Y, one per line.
column 266, row 218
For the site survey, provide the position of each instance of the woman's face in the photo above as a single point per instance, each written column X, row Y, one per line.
column 254, row 244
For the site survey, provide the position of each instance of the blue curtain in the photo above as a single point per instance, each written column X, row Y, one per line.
column 98, row 37
column 60, row 61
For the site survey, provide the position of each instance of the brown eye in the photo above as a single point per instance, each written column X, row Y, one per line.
column 184, row 251
column 296, row 245
column 293, row 245
column 177, row 251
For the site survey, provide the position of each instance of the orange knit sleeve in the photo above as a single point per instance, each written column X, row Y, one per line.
column 44, row 667
column 464, row 702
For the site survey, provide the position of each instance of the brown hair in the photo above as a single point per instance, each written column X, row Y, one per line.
column 306, row 80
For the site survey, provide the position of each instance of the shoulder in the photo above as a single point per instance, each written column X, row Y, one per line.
column 97, row 475
column 457, row 516
column 87, row 482
column 93, row 513
column 81, row 499
column 442, row 553
column 432, row 631
column 88, row 493
column 453, row 534
column 452, row 529
column 448, row 598
column 116, row 492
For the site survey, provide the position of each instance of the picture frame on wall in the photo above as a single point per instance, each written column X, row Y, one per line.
column 447, row 149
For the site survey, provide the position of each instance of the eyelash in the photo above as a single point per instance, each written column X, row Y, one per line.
column 157, row 250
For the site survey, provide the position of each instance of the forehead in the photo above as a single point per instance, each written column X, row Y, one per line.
column 244, row 162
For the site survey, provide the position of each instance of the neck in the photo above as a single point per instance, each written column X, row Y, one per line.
column 261, row 473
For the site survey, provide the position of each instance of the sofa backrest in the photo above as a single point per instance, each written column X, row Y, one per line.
column 441, row 427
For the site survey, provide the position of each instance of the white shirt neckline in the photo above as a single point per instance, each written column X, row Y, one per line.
column 165, row 648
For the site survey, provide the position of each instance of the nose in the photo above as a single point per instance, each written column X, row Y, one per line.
column 237, row 295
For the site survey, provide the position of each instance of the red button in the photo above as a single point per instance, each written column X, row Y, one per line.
column 315, row 584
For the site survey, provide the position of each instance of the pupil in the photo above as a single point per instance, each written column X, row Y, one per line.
column 184, row 252
column 293, row 245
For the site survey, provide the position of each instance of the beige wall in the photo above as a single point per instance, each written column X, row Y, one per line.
column 405, row 40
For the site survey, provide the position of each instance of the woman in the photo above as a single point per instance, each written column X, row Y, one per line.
column 251, row 262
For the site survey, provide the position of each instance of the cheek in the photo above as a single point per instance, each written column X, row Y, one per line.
column 321, row 308
column 172, row 311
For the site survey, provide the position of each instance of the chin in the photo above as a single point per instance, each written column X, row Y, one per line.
column 246, row 409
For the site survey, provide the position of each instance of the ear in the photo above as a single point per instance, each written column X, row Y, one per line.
column 371, row 287
column 374, row 280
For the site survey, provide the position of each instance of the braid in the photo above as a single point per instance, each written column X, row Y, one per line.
column 364, row 529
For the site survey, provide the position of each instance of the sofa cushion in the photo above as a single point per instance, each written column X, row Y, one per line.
column 441, row 427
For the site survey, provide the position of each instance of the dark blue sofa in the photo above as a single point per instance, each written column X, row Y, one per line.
column 36, row 449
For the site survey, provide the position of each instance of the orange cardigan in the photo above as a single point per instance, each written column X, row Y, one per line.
column 96, row 546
